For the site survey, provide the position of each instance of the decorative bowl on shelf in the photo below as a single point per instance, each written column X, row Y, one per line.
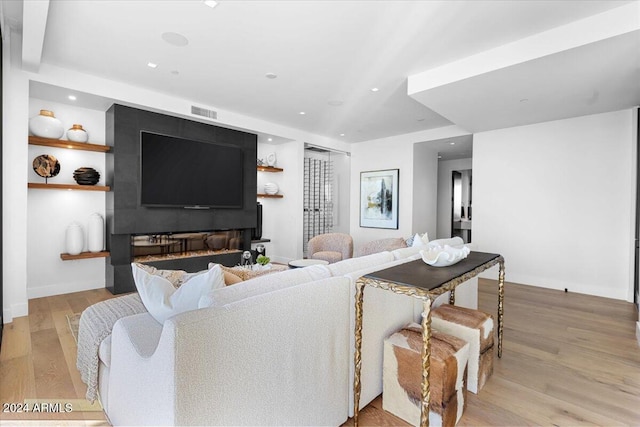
column 86, row 176
column 46, row 166
column 444, row 256
column 271, row 188
column 45, row 125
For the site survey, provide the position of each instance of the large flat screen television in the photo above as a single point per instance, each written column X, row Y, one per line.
column 178, row 172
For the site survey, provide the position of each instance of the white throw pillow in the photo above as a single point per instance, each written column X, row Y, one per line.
column 417, row 241
column 163, row 301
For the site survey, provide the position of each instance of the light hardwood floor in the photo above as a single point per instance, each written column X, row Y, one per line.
column 568, row 359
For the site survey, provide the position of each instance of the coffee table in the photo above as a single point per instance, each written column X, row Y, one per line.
column 420, row 280
column 299, row 263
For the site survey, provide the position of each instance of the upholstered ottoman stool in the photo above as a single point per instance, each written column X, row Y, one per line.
column 475, row 327
column 402, row 376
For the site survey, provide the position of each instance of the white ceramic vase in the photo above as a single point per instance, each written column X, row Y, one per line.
column 74, row 239
column 95, row 233
column 45, row 125
column 271, row 159
column 77, row 134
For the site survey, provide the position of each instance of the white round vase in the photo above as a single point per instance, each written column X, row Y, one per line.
column 95, row 233
column 74, row 239
column 45, row 125
column 77, row 134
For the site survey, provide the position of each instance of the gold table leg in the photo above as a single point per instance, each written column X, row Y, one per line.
column 426, row 361
column 500, row 307
column 358, row 350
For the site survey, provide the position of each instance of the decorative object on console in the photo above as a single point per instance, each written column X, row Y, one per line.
column 46, row 166
column 271, row 159
column 86, row 176
column 444, row 257
column 77, row 134
column 271, row 188
column 74, row 239
column 95, row 233
column 45, row 125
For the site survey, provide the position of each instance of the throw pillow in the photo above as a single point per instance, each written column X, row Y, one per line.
column 176, row 277
column 417, row 241
column 162, row 300
column 229, row 277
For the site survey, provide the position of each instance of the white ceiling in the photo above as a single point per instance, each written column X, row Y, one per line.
column 335, row 52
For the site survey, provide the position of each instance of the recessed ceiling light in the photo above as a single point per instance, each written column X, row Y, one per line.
column 271, row 76
column 302, row 113
column 452, row 143
column 439, row 156
column 211, row 3
column 342, row 134
column 374, row 89
column 72, row 97
column 151, row 65
column 269, row 139
column 175, row 39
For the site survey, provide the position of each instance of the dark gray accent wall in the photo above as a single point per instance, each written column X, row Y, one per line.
column 124, row 214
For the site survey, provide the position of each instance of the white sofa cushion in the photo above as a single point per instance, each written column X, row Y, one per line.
column 364, row 262
column 259, row 285
column 163, row 300
column 410, row 252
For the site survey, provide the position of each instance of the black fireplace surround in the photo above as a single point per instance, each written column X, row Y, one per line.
column 125, row 215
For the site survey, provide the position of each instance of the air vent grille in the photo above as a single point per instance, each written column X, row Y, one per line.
column 198, row 111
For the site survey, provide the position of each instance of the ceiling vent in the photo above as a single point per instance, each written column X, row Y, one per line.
column 210, row 114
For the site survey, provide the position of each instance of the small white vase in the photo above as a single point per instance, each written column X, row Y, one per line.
column 271, row 159
column 45, row 125
column 95, row 233
column 74, row 239
column 77, row 134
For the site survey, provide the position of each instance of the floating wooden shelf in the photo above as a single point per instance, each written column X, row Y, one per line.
column 270, row 196
column 269, row 169
column 61, row 143
column 85, row 255
column 41, row 186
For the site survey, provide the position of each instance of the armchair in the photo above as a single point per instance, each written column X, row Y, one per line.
column 331, row 247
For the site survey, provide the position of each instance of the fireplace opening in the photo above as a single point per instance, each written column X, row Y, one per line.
column 163, row 246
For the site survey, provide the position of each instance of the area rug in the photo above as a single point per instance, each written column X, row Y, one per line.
column 73, row 320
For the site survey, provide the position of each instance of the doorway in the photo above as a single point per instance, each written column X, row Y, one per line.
column 461, row 210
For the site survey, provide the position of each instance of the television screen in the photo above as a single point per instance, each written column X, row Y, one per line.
column 187, row 173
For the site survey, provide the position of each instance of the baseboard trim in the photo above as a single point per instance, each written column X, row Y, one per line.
column 15, row 310
column 638, row 332
column 59, row 289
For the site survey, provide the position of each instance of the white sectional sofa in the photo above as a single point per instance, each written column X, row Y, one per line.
column 274, row 350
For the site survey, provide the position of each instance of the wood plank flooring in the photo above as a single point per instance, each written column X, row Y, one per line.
column 568, row 360
column 38, row 361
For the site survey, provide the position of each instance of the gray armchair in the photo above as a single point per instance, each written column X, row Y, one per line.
column 331, row 247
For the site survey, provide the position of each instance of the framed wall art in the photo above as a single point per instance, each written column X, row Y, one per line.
column 379, row 199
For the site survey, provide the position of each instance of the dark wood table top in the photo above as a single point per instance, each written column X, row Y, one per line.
column 419, row 274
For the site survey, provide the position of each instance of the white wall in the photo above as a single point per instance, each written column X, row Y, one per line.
column 397, row 152
column 282, row 218
column 425, row 189
column 49, row 212
column 445, row 167
column 556, row 200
